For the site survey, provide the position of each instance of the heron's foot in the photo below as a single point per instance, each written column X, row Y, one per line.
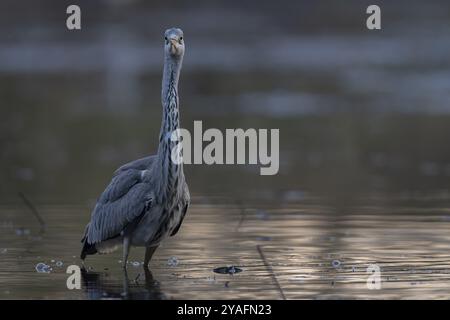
column 150, row 282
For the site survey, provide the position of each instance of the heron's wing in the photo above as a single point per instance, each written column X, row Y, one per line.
column 185, row 205
column 124, row 200
column 139, row 164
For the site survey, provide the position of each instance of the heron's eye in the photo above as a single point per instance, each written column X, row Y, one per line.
column 181, row 38
column 165, row 38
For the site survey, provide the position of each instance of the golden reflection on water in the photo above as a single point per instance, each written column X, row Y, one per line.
column 306, row 250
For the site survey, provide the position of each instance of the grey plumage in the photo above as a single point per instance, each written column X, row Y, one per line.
column 147, row 199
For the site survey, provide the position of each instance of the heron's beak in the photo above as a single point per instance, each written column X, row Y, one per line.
column 173, row 46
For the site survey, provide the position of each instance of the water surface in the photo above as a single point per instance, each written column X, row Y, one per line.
column 300, row 250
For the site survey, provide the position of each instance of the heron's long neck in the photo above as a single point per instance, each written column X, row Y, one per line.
column 170, row 122
column 169, row 99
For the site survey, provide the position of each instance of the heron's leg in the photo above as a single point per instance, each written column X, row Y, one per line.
column 149, row 251
column 149, row 281
column 126, row 251
column 126, row 290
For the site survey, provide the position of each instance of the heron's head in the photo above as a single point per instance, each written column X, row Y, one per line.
column 174, row 42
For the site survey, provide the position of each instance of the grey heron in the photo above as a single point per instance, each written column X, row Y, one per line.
column 147, row 199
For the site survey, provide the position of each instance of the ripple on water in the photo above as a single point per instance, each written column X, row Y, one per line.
column 43, row 268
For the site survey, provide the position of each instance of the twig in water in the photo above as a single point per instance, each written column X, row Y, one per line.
column 33, row 209
column 270, row 269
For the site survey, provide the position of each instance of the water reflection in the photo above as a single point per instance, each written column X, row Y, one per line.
column 310, row 248
column 101, row 285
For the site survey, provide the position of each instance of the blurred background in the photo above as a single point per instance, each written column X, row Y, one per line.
column 358, row 110
column 364, row 119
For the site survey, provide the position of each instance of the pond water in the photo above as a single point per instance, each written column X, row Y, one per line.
column 364, row 120
column 300, row 250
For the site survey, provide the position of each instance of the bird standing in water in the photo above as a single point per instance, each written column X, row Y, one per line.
column 148, row 198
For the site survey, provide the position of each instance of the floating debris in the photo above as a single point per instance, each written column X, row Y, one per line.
column 4, row 250
column 135, row 263
column 227, row 270
column 353, row 269
column 43, row 268
column 227, row 284
column 59, row 264
column 336, row 263
column 172, row 262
